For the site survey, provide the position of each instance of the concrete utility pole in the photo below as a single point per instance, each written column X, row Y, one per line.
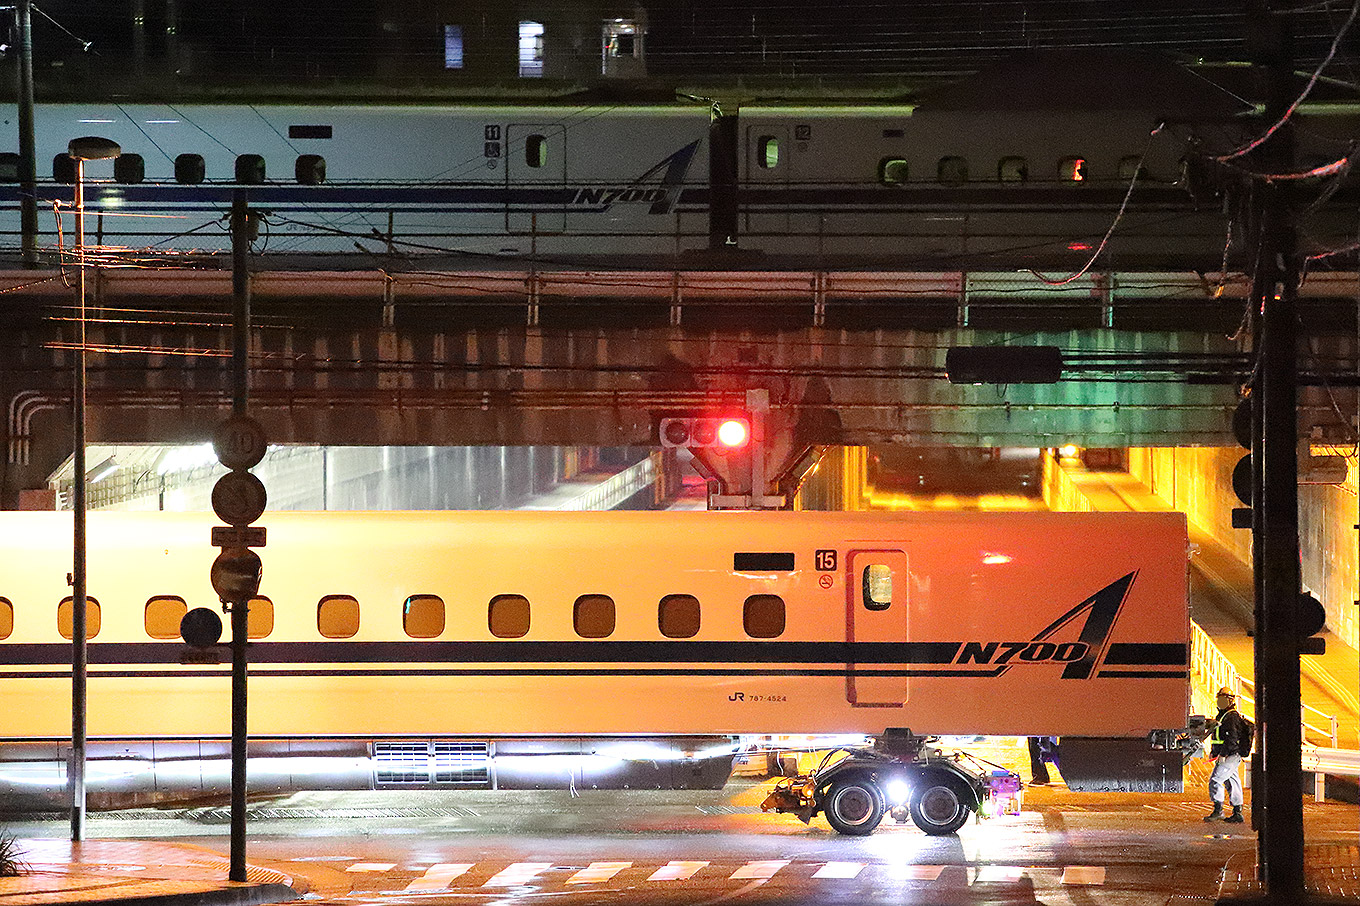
column 240, row 609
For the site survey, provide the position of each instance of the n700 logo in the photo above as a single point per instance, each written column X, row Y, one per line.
column 1029, row 652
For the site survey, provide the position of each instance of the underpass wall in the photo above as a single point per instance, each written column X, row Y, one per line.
column 1198, row 482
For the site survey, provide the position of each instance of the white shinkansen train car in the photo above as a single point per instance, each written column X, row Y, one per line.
column 496, row 633
column 490, row 186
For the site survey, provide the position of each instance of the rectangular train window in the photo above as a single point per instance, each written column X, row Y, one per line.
column 337, row 616
column 767, row 152
column 763, row 616
column 259, row 618
column 593, row 616
column 952, row 171
column 6, row 618
column 162, row 616
column 878, row 583
column 1072, row 169
column 423, row 616
column 508, row 616
column 536, row 151
column 892, row 171
column 678, row 616
column 66, row 617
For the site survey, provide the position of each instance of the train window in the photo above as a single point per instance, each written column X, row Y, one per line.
column 877, row 586
column 129, row 169
column 767, row 152
column 1072, row 169
column 337, row 616
column 423, row 616
column 249, row 169
column 259, row 618
column 763, row 616
column 6, row 618
column 593, row 616
column 310, row 169
column 9, row 166
column 1012, row 169
column 536, row 150
column 952, row 171
column 508, row 616
column 190, row 169
column 892, row 171
column 162, row 616
column 66, row 615
column 678, row 616
column 1131, row 166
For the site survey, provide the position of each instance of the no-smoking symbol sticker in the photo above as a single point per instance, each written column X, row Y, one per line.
column 825, row 581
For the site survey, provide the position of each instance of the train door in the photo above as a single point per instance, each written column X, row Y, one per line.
column 535, row 178
column 769, row 166
column 877, row 590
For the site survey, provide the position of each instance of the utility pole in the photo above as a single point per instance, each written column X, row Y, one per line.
column 28, row 164
column 1276, row 642
column 240, row 608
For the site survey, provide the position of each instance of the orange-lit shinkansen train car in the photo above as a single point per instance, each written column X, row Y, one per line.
column 400, row 632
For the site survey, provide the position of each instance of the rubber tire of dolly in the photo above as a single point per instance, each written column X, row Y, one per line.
column 854, row 807
column 941, row 805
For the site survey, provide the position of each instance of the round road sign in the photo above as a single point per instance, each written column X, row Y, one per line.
column 201, row 627
column 235, row 574
column 239, row 442
column 239, row 498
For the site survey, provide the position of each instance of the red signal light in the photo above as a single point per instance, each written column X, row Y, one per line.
column 734, row 432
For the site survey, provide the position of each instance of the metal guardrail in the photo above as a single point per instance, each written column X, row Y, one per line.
column 1210, row 670
column 608, row 494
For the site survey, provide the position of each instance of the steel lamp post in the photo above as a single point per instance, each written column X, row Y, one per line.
column 80, row 150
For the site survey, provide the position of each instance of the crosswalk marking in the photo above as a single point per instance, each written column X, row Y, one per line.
column 519, row 873
column 840, row 870
column 677, row 871
column 438, row 877
column 759, row 870
column 597, row 872
column 1083, row 875
column 916, row 872
column 442, row 876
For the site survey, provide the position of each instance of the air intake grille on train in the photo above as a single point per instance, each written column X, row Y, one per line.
column 461, row 762
column 431, row 763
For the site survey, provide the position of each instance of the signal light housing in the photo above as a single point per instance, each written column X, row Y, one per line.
column 726, row 433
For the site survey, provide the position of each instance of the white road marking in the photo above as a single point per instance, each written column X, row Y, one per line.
column 758, row 870
column 438, row 877
column 1083, row 874
column 998, row 874
column 677, row 871
column 916, row 872
column 840, row 870
column 519, row 873
column 372, row 866
column 597, row 872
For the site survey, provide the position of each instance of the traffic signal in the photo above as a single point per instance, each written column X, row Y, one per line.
column 1243, row 472
column 730, row 432
column 1310, row 618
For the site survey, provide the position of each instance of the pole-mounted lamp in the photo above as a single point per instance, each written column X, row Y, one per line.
column 80, row 150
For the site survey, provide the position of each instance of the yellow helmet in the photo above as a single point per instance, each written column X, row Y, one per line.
column 1228, row 692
